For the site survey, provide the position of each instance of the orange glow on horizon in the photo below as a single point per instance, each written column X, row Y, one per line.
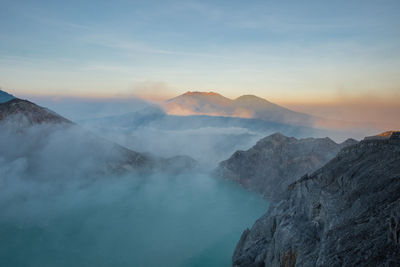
column 379, row 112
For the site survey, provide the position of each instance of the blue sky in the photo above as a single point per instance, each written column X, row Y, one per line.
column 280, row 50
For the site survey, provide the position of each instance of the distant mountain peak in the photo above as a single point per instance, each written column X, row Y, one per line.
column 275, row 137
column 246, row 106
column 199, row 96
column 349, row 142
column 198, row 93
column 5, row 97
column 250, row 98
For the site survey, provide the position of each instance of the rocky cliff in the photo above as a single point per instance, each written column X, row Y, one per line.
column 276, row 161
column 346, row 213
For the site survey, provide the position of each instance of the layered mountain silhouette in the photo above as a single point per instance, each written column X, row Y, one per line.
column 346, row 213
column 254, row 107
column 277, row 161
column 217, row 137
column 27, row 121
column 246, row 106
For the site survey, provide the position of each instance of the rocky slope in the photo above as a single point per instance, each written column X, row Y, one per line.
column 276, row 161
column 27, row 113
column 347, row 213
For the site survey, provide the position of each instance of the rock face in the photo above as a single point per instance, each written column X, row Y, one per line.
column 347, row 213
column 277, row 161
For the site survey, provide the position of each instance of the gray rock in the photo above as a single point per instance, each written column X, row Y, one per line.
column 347, row 213
column 277, row 161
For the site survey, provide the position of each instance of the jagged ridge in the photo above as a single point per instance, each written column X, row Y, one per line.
column 276, row 161
column 345, row 214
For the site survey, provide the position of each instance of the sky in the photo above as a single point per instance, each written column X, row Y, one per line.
column 290, row 52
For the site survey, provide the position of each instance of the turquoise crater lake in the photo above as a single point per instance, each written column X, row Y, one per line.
column 190, row 220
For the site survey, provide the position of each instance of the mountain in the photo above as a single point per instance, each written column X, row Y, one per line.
column 217, row 137
column 276, row 161
column 28, row 113
column 36, row 129
column 4, row 97
column 263, row 109
column 247, row 106
column 200, row 103
column 384, row 135
column 346, row 213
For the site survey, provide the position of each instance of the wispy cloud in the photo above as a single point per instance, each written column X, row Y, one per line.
column 133, row 47
column 59, row 23
column 273, row 24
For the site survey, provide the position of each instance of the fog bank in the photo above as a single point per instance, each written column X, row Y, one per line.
column 61, row 206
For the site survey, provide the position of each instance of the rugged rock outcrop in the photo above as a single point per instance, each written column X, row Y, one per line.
column 277, row 161
column 347, row 213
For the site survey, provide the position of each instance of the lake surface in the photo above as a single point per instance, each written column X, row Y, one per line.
column 190, row 220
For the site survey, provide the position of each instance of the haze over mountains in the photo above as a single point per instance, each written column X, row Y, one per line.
column 41, row 129
column 199, row 133
column 216, row 136
column 246, row 106
column 208, row 139
column 251, row 106
column 127, row 169
column 72, row 198
column 218, row 133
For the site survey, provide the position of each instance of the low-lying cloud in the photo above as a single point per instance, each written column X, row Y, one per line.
column 61, row 207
